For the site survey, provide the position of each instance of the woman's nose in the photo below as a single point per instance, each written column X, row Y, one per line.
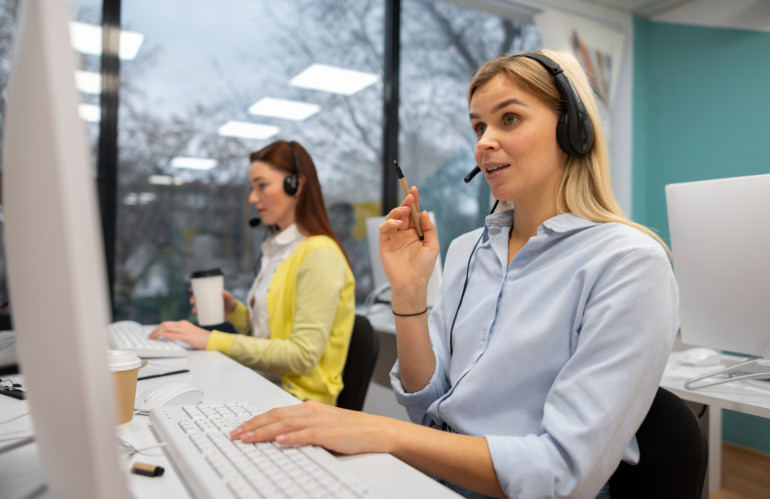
column 487, row 141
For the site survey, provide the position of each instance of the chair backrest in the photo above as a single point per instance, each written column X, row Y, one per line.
column 673, row 454
column 359, row 366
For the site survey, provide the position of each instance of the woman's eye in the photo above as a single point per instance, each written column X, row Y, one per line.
column 479, row 129
column 509, row 119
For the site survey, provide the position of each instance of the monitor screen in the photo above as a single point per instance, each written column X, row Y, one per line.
column 720, row 239
column 55, row 261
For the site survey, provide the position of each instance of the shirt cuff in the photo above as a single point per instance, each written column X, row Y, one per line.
column 221, row 342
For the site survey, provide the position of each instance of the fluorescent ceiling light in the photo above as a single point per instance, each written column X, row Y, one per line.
column 286, row 109
column 90, row 112
column 87, row 39
column 88, row 82
column 165, row 180
column 335, row 80
column 245, row 130
column 134, row 198
column 193, row 163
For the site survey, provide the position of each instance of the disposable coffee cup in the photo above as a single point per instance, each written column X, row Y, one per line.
column 207, row 286
column 124, row 369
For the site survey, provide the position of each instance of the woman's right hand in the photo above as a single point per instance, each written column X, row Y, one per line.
column 407, row 260
column 231, row 303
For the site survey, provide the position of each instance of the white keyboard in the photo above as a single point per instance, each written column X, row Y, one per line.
column 130, row 335
column 215, row 466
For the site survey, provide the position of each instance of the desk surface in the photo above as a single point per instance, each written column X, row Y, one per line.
column 739, row 396
column 223, row 380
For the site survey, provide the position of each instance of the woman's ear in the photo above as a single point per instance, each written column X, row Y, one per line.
column 300, row 183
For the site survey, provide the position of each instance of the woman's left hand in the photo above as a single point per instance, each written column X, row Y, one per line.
column 338, row 430
column 185, row 331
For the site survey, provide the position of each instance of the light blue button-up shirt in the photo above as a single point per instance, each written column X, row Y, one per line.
column 557, row 356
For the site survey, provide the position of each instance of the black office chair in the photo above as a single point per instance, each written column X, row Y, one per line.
column 674, row 454
column 359, row 366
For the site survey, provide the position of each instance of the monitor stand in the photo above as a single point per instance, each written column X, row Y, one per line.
column 754, row 368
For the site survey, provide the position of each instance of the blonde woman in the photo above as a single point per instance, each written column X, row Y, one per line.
column 532, row 373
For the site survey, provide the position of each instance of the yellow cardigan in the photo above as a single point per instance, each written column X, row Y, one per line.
column 311, row 308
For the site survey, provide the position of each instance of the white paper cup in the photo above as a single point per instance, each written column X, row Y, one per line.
column 207, row 288
column 124, row 367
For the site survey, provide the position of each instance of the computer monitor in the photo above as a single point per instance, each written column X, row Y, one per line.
column 381, row 284
column 55, row 261
column 720, row 239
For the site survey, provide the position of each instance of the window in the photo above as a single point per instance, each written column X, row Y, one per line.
column 198, row 94
column 442, row 47
column 199, row 76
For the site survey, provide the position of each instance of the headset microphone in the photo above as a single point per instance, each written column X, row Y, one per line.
column 254, row 222
column 476, row 170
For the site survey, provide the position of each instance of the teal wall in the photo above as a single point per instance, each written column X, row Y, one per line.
column 701, row 110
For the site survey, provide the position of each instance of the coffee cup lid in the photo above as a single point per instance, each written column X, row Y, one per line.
column 206, row 273
column 122, row 360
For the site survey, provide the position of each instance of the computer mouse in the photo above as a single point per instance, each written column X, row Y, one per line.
column 700, row 356
column 169, row 394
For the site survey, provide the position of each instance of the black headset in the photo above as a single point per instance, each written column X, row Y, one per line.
column 291, row 183
column 575, row 130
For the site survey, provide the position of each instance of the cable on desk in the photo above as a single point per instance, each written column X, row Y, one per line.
column 14, row 418
column 22, row 441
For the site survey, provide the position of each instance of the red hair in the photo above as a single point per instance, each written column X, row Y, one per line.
column 310, row 213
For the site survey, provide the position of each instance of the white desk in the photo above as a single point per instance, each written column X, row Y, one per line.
column 223, row 380
column 737, row 396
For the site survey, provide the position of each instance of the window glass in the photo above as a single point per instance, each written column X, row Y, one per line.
column 200, row 69
column 442, row 45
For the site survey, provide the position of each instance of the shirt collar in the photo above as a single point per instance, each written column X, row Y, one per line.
column 286, row 237
column 566, row 222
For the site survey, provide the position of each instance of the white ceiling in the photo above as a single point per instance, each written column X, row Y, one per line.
column 739, row 14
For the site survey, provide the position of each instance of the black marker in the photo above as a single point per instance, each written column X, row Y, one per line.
column 405, row 190
column 150, row 376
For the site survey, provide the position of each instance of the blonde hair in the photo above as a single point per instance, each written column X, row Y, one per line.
column 586, row 189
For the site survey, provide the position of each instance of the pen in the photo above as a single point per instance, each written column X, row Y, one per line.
column 149, row 376
column 147, row 469
column 405, row 190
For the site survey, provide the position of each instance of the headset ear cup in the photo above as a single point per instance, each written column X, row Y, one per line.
column 562, row 135
column 290, row 185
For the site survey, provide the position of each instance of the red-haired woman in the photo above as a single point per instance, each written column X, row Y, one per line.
column 298, row 316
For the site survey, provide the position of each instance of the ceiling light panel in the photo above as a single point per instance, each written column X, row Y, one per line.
column 284, row 109
column 333, row 79
column 88, row 82
column 193, row 163
column 90, row 112
column 87, row 39
column 246, row 130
